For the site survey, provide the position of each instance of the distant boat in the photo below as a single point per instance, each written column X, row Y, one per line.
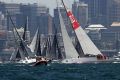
column 21, row 53
column 35, row 47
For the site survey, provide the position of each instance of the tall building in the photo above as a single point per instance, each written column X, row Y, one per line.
column 2, row 30
column 3, row 21
column 114, row 15
column 98, row 11
column 14, row 10
column 44, row 20
column 80, row 10
column 35, row 14
column 38, row 16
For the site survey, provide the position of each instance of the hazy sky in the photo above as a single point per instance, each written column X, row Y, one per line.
column 49, row 3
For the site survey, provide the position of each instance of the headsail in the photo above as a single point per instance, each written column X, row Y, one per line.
column 70, row 50
column 33, row 43
column 87, row 45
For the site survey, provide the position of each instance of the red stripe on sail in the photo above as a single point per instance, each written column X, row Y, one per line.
column 74, row 22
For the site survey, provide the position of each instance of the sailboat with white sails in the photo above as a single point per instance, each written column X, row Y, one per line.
column 87, row 46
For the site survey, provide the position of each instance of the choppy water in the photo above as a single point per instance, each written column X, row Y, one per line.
column 60, row 72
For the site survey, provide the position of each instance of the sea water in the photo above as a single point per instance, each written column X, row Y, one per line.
column 106, row 71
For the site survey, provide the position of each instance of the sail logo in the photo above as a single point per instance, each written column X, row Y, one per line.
column 74, row 22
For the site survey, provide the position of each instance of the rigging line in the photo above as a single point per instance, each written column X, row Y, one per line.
column 15, row 37
column 16, row 30
column 14, row 26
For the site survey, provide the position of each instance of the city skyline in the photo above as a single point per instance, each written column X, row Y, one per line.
column 52, row 3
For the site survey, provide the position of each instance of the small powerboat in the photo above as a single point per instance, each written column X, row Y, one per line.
column 41, row 61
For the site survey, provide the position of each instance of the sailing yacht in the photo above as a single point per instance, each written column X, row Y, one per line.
column 20, row 54
column 21, row 49
column 35, row 47
column 70, row 51
column 90, row 51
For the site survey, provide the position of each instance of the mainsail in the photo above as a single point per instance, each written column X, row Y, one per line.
column 87, row 45
column 70, row 50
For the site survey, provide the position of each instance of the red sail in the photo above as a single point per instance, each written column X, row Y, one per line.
column 73, row 20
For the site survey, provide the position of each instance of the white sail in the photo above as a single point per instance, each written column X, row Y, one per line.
column 87, row 45
column 33, row 43
column 70, row 50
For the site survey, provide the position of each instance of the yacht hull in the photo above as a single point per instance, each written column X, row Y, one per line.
column 86, row 60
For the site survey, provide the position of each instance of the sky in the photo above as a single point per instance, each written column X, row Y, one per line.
column 49, row 3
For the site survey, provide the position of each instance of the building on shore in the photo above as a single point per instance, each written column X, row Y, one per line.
column 80, row 10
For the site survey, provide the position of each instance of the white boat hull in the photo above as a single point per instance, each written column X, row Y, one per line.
column 85, row 60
